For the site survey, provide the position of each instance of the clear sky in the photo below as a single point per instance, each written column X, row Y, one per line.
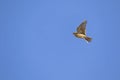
column 37, row 41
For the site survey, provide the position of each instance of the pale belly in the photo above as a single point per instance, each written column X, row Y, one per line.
column 80, row 35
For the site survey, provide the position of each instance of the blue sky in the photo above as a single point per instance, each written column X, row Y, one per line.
column 37, row 41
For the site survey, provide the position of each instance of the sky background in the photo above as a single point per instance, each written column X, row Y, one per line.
column 37, row 41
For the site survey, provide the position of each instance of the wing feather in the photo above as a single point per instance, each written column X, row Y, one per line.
column 82, row 28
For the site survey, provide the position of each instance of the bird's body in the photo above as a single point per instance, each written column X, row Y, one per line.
column 81, row 32
column 79, row 35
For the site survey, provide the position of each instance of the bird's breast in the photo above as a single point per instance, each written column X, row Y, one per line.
column 80, row 35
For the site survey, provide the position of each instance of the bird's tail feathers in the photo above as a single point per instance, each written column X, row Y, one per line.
column 88, row 39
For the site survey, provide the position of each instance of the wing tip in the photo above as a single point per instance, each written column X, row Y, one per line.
column 85, row 21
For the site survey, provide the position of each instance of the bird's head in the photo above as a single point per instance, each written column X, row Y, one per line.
column 75, row 33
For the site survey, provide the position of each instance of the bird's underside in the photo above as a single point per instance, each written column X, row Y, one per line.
column 81, row 32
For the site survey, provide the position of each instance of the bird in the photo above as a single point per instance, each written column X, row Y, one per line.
column 81, row 32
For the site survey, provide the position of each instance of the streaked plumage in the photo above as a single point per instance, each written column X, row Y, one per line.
column 81, row 32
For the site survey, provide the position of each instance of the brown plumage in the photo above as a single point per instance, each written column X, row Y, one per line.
column 81, row 32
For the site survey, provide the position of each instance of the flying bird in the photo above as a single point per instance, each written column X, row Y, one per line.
column 81, row 32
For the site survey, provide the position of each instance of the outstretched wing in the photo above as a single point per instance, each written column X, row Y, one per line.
column 82, row 28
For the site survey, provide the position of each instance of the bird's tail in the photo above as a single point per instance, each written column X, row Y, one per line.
column 88, row 39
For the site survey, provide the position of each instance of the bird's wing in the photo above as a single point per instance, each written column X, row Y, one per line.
column 82, row 28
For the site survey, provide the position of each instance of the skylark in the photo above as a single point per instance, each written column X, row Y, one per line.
column 81, row 32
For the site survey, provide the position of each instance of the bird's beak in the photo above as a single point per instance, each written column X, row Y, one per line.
column 74, row 33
